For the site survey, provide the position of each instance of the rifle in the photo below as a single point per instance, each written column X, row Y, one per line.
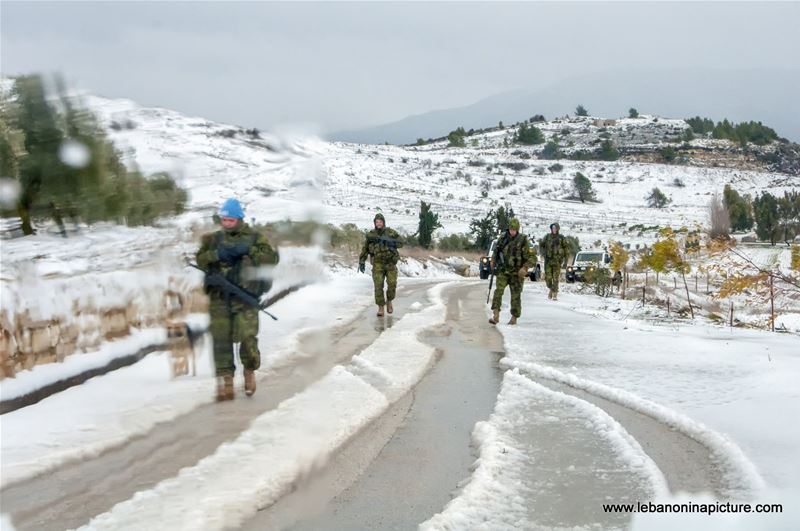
column 218, row 280
column 491, row 280
column 389, row 242
column 502, row 261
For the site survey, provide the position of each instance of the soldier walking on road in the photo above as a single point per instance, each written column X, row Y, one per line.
column 510, row 262
column 380, row 245
column 556, row 251
column 233, row 251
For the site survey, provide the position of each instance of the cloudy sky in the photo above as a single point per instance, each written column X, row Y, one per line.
column 349, row 65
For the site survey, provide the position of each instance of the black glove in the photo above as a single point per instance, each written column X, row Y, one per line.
column 231, row 253
column 362, row 267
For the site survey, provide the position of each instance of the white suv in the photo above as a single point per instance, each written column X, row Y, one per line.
column 589, row 261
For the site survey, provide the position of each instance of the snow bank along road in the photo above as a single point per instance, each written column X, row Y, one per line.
column 405, row 466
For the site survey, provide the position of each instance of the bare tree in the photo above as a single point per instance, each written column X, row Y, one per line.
column 719, row 219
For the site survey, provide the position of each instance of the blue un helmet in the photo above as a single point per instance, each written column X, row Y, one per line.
column 231, row 208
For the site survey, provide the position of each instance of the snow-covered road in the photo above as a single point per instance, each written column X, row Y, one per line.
column 591, row 409
column 550, row 455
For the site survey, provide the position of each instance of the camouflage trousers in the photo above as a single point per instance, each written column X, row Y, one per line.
column 512, row 280
column 232, row 323
column 381, row 271
column 552, row 273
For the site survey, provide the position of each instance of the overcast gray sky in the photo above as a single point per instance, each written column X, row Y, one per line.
column 349, row 65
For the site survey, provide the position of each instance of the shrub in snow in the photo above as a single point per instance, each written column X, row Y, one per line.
column 428, row 222
column 608, row 151
column 551, row 151
column 582, row 188
column 657, row 199
column 668, row 154
column 483, row 229
column 456, row 138
column 529, row 135
column 456, row 243
column 765, row 208
column 739, row 209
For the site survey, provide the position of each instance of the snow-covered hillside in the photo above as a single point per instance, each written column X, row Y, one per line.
column 214, row 161
column 279, row 177
column 464, row 183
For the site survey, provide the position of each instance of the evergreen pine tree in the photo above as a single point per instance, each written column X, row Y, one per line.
column 583, row 188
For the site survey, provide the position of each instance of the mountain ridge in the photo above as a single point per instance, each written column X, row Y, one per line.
column 705, row 93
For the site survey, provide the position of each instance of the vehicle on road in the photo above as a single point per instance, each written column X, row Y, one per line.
column 589, row 263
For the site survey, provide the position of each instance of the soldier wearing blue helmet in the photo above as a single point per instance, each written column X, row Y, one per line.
column 231, row 251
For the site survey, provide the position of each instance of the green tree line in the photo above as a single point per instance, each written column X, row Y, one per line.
column 67, row 168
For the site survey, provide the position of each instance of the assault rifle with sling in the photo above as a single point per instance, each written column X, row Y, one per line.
column 388, row 242
column 231, row 289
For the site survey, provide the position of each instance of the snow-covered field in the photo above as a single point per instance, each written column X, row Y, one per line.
column 377, row 177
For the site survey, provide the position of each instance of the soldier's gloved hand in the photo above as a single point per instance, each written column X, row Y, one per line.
column 231, row 253
column 522, row 273
column 362, row 267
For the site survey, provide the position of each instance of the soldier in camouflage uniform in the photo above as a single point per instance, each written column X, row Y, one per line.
column 556, row 251
column 232, row 251
column 510, row 262
column 381, row 245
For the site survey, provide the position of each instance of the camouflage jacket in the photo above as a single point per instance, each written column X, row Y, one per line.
column 513, row 253
column 259, row 253
column 381, row 245
column 555, row 249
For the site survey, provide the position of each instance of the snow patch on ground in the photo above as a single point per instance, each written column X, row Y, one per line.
column 499, row 495
column 83, row 421
column 29, row 381
column 741, row 475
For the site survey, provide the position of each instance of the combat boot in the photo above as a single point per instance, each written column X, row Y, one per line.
column 495, row 317
column 550, row 294
column 224, row 388
column 513, row 320
column 249, row 382
column 380, row 311
column 389, row 307
column 555, row 295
